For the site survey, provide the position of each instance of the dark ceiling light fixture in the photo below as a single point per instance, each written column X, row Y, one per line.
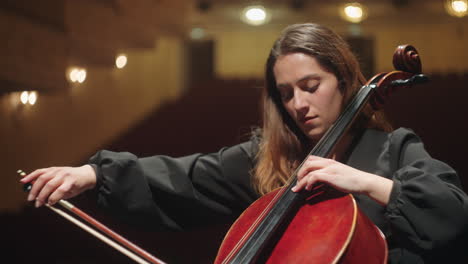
column 400, row 3
column 297, row 5
column 204, row 5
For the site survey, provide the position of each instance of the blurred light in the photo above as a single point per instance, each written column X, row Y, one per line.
column 32, row 98
column 456, row 8
column 24, row 97
column 197, row 33
column 121, row 61
column 81, row 75
column 459, row 6
column 255, row 15
column 353, row 12
column 28, row 97
column 75, row 74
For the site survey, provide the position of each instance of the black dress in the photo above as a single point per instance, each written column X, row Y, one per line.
column 426, row 219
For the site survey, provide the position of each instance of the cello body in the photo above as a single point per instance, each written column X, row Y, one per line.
column 328, row 228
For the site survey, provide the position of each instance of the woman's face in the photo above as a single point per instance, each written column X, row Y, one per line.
column 309, row 93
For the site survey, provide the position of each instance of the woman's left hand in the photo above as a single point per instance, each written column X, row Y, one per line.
column 343, row 178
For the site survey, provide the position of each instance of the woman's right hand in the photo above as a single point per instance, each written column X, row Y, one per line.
column 55, row 183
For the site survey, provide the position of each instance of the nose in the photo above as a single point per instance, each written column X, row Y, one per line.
column 299, row 102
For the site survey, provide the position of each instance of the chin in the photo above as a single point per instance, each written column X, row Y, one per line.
column 314, row 136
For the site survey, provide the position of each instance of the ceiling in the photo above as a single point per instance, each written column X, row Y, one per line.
column 43, row 37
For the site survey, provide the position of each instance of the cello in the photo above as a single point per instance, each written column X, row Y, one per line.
column 322, row 225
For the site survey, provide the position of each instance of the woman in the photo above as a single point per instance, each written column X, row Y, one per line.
column 311, row 74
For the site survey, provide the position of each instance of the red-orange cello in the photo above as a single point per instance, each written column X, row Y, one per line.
column 322, row 225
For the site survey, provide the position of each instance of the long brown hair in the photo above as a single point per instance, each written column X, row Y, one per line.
column 283, row 145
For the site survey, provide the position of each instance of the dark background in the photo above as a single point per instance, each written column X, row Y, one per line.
column 213, row 114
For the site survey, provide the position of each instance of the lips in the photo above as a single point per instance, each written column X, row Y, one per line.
column 308, row 120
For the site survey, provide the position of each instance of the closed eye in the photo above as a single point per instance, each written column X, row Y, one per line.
column 312, row 88
column 310, row 85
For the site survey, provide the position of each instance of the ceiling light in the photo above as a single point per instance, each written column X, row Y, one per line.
column 32, row 98
column 28, row 97
column 255, row 15
column 24, row 97
column 76, row 74
column 121, row 61
column 456, row 8
column 353, row 12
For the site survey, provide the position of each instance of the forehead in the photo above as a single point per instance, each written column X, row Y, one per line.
column 294, row 66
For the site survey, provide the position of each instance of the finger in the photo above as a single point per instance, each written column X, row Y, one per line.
column 48, row 188
column 311, row 164
column 306, row 168
column 299, row 185
column 64, row 191
column 40, row 182
column 311, row 180
column 312, row 158
column 33, row 175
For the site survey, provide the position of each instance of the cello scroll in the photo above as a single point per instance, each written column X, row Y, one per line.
column 407, row 63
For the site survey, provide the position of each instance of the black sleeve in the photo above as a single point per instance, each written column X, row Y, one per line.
column 176, row 193
column 427, row 210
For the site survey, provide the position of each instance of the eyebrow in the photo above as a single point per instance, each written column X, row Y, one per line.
column 308, row 76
